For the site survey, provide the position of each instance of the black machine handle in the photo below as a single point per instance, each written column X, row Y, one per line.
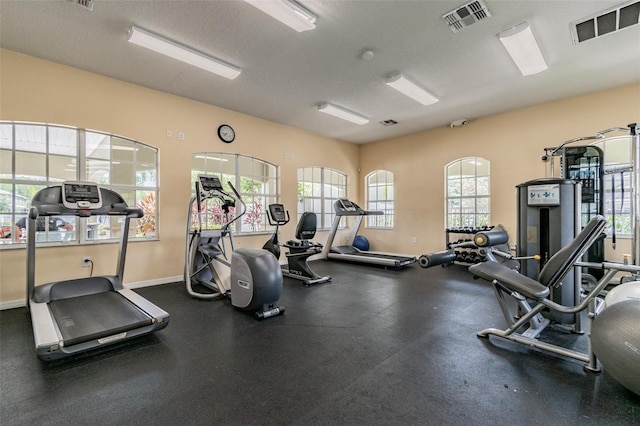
column 276, row 222
column 244, row 206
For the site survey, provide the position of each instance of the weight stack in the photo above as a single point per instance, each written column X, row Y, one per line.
column 549, row 219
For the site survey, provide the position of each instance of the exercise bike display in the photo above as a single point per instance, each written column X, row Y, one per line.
column 300, row 250
column 250, row 277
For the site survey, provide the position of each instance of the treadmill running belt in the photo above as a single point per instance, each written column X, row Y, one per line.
column 94, row 316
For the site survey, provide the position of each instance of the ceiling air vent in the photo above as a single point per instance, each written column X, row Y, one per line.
column 87, row 4
column 466, row 15
column 609, row 21
column 388, row 122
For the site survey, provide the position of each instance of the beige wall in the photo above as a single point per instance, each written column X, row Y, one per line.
column 39, row 91
column 513, row 142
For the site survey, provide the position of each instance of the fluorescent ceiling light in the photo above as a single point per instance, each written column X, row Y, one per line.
column 343, row 113
column 410, row 89
column 206, row 157
column 521, row 45
column 288, row 12
column 176, row 51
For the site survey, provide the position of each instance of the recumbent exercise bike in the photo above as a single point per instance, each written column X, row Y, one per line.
column 300, row 250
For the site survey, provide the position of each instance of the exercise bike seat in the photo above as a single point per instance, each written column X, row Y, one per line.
column 305, row 230
column 307, row 225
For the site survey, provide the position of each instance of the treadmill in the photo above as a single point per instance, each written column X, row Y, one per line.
column 73, row 316
column 349, row 252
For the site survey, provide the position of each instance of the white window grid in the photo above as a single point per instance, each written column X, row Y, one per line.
column 37, row 155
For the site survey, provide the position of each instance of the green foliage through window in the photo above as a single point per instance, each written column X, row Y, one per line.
column 33, row 156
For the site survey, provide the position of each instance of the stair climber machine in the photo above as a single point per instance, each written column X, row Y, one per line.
column 300, row 250
column 73, row 316
column 250, row 277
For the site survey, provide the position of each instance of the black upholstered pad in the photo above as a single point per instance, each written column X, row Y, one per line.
column 511, row 279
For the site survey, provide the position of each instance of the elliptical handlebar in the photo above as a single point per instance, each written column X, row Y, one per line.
column 211, row 188
column 236, row 198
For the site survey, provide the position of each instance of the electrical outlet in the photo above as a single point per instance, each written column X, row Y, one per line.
column 86, row 261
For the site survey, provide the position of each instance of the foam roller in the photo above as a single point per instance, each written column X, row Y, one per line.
column 437, row 258
column 491, row 238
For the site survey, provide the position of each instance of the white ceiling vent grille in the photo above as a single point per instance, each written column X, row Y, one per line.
column 466, row 15
column 607, row 22
column 87, row 4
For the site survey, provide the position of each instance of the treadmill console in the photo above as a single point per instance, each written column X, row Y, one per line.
column 81, row 195
column 209, row 183
column 347, row 205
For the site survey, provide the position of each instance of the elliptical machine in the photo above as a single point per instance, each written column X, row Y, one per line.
column 251, row 278
column 300, row 250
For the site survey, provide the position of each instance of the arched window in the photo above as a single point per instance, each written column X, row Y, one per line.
column 380, row 195
column 467, row 192
column 34, row 156
column 256, row 181
column 318, row 189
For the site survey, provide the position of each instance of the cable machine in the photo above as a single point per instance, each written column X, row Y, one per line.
column 581, row 163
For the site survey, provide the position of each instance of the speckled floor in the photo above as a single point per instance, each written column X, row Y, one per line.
column 373, row 347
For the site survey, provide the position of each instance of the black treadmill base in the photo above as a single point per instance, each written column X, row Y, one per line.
column 95, row 316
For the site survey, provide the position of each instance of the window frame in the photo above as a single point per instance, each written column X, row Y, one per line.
column 66, row 158
column 386, row 203
column 469, row 196
column 318, row 195
column 621, row 166
column 257, row 202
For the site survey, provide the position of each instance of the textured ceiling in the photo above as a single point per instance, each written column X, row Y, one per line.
column 285, row 74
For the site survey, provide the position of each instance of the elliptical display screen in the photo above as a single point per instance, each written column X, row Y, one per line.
column 209, row 183
column 83, row 195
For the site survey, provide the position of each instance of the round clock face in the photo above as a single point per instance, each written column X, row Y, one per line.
column 226, row 133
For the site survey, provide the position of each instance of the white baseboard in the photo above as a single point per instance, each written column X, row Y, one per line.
column 159, row 281
column 13, row 304
column 140, row 284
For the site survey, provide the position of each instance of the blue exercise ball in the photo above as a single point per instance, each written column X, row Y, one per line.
column 615, row 338
column 361, row 243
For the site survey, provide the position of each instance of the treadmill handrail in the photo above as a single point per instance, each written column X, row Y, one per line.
column 48, row 202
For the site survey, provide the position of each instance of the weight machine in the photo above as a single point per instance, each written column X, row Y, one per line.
column 567, row 156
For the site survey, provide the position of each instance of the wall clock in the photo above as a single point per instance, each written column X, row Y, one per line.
column 226, row 133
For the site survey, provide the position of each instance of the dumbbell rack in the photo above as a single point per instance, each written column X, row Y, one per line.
column 465, row 250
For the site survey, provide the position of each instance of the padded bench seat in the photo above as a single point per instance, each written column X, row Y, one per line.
column 511, row 279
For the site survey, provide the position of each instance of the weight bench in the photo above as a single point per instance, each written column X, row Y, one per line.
column 526, row 322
